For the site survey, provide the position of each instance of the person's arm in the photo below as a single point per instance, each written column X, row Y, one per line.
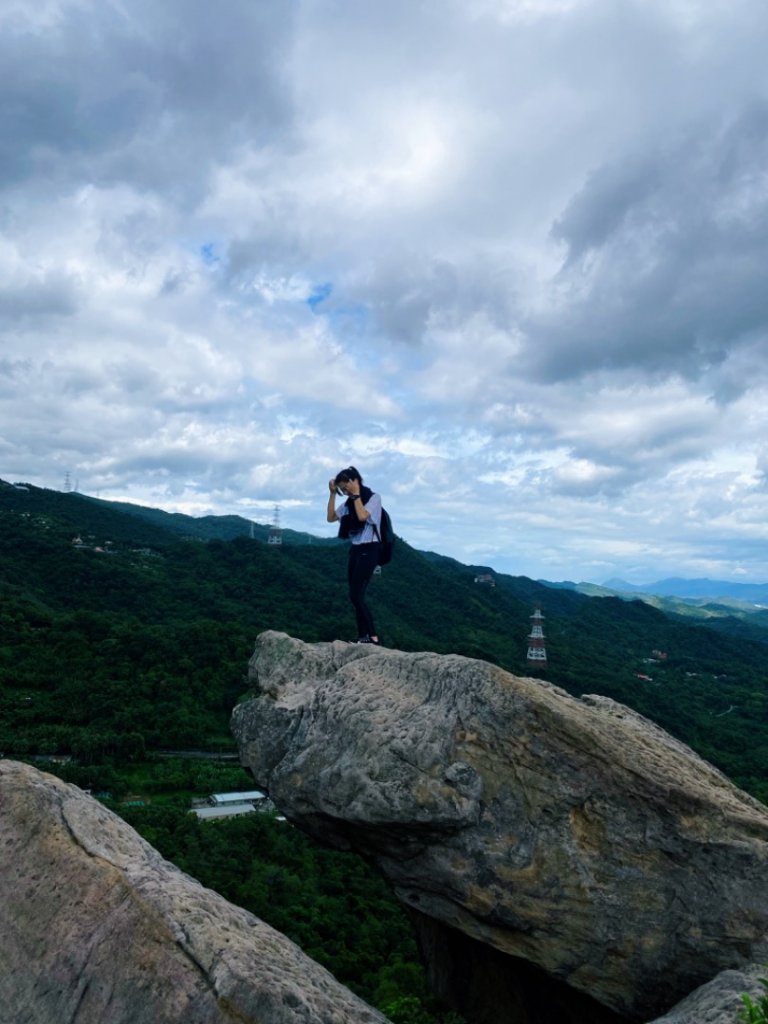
column 361, row 511
column 331, row 513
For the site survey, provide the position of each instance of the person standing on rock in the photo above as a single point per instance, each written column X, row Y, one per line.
column 359, row 519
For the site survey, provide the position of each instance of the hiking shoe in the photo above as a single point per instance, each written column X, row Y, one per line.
column 364, row 640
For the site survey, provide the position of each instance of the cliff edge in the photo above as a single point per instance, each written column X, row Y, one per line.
column 548, row 846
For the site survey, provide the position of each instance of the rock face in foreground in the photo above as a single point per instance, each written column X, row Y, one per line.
column 96, row 928
column 571, row 839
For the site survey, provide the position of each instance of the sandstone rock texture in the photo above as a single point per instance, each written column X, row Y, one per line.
column 719, row 1001
column 96, row 928
column 570, row 835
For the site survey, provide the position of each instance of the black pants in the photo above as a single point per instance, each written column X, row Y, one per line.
column 363, row 559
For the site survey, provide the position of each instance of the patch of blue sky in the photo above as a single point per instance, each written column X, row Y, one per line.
column 349, row 321
column 208, row 254
column 355, row 317
column 319, row 294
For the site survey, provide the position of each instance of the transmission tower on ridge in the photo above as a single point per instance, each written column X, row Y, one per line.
column 275, row 530
column 537, row 645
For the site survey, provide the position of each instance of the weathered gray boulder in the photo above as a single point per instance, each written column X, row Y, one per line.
column 719, row 1001
column 96, row 928
column 570, row 835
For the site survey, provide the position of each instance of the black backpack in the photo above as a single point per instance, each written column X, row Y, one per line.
column 387, row 538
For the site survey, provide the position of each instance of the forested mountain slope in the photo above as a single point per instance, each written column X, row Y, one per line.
column 143, row 644
column 738, row 616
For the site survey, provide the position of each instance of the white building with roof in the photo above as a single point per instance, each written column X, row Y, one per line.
column 251, row 796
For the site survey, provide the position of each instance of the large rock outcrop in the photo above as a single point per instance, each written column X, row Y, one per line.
column 578, row 845
column 96, row 928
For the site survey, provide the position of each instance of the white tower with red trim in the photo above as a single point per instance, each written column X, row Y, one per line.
column 537, row 644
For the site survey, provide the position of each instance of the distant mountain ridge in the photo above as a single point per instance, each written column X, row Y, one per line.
column 700, row 588
column 746, row 611
column 157, row 523
column 209, row 527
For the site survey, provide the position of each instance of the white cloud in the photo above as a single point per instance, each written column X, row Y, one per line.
column 508, row 255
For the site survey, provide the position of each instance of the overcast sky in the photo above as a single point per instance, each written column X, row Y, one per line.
column 507, row 257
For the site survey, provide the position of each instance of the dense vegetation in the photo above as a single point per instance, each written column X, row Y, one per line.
column 755, row 1012
column 136, row 640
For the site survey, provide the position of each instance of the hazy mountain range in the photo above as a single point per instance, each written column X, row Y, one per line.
column 699, row 589
column 717, row 603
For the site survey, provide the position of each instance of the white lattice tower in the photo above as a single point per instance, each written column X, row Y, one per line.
column 275, row 530
column 537, row 644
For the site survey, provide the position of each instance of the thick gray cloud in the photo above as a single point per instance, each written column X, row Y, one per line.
column 504, row 253
column 665, row 256
column 146, row 93
column 49, row 294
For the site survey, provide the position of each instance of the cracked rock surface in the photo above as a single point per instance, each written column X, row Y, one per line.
column 97, row 928
column 572, row 836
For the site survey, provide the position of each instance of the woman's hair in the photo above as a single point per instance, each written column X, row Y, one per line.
column 350, row 473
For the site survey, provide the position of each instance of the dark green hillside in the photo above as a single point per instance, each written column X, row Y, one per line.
column 144, row 644
column 732, row 615
column 66, row 515
column 736, row 622
column 204, row 527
